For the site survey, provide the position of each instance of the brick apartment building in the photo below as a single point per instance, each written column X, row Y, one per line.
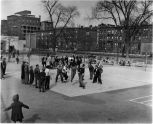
column 78, row 38
column 111, row 38
column 20, row 24
column 105, row 38
column 46, row 25
column 4, row 27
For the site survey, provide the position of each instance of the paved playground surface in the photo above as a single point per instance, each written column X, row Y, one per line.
column 65, row 103
column 114, row 78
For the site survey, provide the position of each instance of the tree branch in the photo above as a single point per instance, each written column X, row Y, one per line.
column 64, row 26
column 58, row 18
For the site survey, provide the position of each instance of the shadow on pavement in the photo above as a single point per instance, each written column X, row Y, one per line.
column 76, row 82
column 32, row 119
column 53, row 85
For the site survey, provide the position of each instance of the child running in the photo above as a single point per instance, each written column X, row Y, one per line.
column 16, row 107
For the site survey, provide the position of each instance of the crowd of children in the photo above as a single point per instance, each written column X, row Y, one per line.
column 64, row 65
column 41, row 78
column 75, row 65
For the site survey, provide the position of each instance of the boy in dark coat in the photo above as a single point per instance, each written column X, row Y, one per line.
column 26, row 69
column 36, row 74
column 44, row 61
column 22, row 72
column 81, row 71
column 16, row 107
column 42, row 80
column 97, row 74
column 4, row 65
column 2, row 73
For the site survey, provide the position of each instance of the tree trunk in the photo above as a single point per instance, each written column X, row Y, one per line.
column 54, row 42
column 127, row 43
column 127, row 51
column 123, row 51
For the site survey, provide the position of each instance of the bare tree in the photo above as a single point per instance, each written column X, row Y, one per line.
column 129, row 14
column 60, row 16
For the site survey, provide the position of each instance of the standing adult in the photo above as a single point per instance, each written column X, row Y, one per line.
column 36, row 74
column 48, row 62
column 52, row 61
column 44, row 61
column 78, row 61
column 100, row 71
column 23, row 72
column 59, row 71
column 73, row 65
column 4, row 65
column 26, row 73
column 2, row 73
column 95, row 74
column 81, row 71
column 47, row 72
column 31, row 75
column 64, row 72
column 91, row 70
column 42, row 80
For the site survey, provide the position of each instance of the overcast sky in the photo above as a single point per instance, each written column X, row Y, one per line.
column 9, row 7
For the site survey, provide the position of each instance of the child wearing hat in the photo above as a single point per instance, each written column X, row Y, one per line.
column 16, row 107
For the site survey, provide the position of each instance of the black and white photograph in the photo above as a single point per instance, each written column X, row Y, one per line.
column 76, row 61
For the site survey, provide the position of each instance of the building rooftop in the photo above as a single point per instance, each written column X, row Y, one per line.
column 46, row 21
column 25, row 12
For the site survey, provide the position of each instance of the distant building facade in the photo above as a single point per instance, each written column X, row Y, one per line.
column 46, row 25
column 20, row 24
column 78, row 38
column 111, row 38
column 4, row 27
column 87, row 38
